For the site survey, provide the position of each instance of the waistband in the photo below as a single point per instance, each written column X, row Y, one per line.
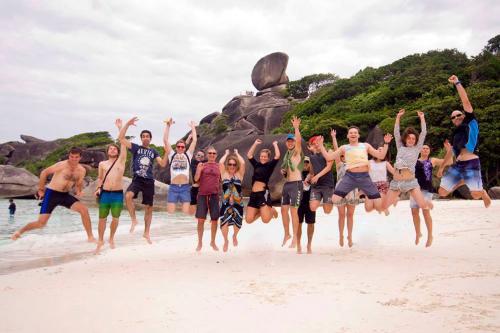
column 469, row 164
column 357, row 174
column 51, row 190
column 294, row 182
column 117, row 191
column 180, row 185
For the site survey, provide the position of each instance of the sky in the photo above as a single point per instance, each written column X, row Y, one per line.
column 68, row 67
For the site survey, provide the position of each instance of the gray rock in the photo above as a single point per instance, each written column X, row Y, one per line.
column 494, row 192
column 270, row 71
column 17, row 182
column 208, row 119
column 31, row 139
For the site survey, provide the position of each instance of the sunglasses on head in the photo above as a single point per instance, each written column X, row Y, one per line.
column 456, row 116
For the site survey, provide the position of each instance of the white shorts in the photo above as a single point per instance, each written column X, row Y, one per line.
column 427, row 196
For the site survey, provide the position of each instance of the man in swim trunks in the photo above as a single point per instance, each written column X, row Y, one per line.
column 67, row 175
column 109, row 188
column 179, row 189
column 293, row 164
column 467, row 168
column 142, row 165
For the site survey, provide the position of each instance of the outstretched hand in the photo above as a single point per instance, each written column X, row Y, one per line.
column 388, row 138
column 295, row 122
column 401, row 113
column 258, row 141
column 132, row 121
column 447, row 145
column 119, row 123
column 320, row 140
column 275, row 143
column 192, row 124
column 453, row 79
column 333, row 133
column 421, row 115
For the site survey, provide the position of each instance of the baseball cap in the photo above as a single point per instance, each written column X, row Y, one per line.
column 290, row 137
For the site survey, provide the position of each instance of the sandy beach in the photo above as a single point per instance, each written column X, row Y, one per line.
column 383, row 284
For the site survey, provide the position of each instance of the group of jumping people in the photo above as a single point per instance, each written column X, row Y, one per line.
column 203, row 186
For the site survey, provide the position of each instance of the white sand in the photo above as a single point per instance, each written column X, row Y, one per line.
column 383, row 284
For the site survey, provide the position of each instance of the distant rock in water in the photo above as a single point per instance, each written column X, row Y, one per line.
column 17, row 182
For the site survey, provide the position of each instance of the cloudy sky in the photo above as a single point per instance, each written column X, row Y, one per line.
column 68, row 67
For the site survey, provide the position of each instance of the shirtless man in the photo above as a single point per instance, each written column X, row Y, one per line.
column 293, row 164
column 179, row 164
column 467, row 168
column 109, row 188
column 67, row 174
column 357, row 165
column 142, row 164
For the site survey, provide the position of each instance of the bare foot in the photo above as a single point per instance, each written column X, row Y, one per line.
column 198, row 248
column 214, row 247
column 341, row 241
column 91, row 239
column 417, row 238
column 293, row 244
column 100, row 244
column 349, row 241
column 132, row 226
column 112, row 243
column 148, row 238
column 386, row 212
column 309, row 249
column 226, row 246
column 285, row 239
column 15, row 235
column 486, row 199
column 275, row 214
column 235, row 241
column 429, row 241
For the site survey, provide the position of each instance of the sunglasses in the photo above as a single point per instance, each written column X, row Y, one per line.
column 211, row 153
column 231, row 164
column 181, row 147
column 456, row 116
column 306, row 161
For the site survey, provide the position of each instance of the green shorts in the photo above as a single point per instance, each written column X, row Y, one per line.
column 110, row 201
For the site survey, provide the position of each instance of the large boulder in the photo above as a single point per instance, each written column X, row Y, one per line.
column 32, row 151
column 17, row 182
column 270, row 71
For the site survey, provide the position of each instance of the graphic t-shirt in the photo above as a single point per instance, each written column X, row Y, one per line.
column 179, row 163
column 142, row 161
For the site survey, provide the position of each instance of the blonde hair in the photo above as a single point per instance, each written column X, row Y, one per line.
column 235, row 159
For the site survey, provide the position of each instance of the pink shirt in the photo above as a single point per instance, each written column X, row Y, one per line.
column 210, row 179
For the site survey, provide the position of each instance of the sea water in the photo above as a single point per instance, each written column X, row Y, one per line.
column 64, row 239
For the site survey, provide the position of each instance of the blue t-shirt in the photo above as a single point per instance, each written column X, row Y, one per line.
column 142, row 161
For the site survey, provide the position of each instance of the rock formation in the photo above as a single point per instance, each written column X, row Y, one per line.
column 17, row 182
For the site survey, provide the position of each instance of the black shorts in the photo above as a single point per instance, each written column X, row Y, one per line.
column 144, row 185
column 259, row 199
column 208, row 203
column 304, row 211
column 194, row 195
column 52, row 199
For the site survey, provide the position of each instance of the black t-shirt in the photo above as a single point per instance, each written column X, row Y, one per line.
column 262, row 172
column 194, row 165
column 466, row 135
column 318, row 163
column 12, row 208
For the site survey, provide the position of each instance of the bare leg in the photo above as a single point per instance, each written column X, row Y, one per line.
column 101, row 230
column 129, row 201
column 170, row 207
column 428, row 224
column 369, row 205
column 185, row 207
column 148, row 217
column 225, row 231
column 342, row 211
column 294, row 212
column 267, row 213
column 251, row 214
column 114, row 226
column 415, row 214
column 483, row 195
column 299, row 236
column 200, row 229
column 314, row 205
column 40, row 223
column 391, row 197
column 213, row 233
column 84, row 213
column 386, row 211
column 310, row 233
column 235, row 235
column 192, row 209
column 416, row 193
column 286, row 223
column 350, row 223
column 327, row 208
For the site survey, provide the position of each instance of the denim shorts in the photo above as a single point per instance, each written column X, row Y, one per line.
column 179, row 193
column 404, row 186
column 427, row 197
column 359, row 180
column 467, row 171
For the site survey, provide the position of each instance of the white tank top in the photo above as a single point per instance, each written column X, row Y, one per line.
column 378, row 171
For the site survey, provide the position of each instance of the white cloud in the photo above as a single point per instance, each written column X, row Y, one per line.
column 69, row 67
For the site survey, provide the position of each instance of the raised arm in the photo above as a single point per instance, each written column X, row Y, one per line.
column 423, row 130
column 166, row 134
column 462, row 93
column 277, row 153
column 197, row 174
column 380, row 154
column 447, row 160
column 100, row 178
column 194, row 137
column 242, row 164
column 251, row 151
column 437, row 162
column 298, row 137
column 397, row 133
column 222, row 160
column 123, row 131
column 333, row 133
column 329, row 155
column 123, row 148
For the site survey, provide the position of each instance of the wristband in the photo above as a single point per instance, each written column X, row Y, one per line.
column 386, row 143
column 457, row 83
